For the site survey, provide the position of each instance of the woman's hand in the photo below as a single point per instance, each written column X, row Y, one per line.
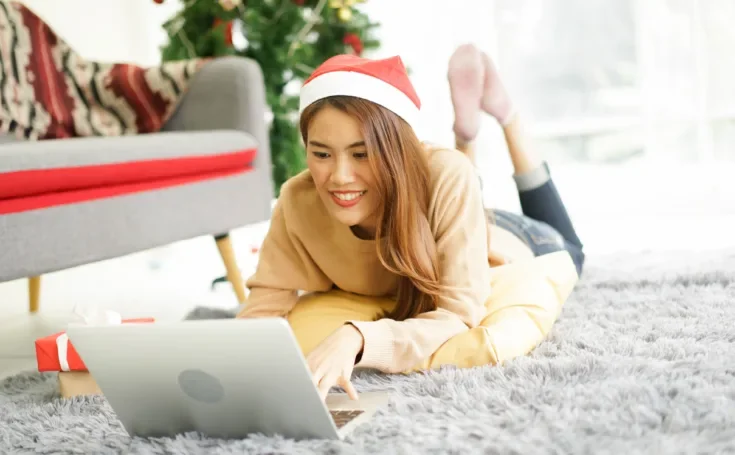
column 331, row 363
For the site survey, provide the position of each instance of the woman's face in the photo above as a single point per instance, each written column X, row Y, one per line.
column 338, row 161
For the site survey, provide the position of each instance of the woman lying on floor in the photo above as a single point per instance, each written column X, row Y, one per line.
column 440, row 285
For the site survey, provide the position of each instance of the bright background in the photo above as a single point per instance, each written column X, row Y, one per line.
column 631, row 101
column 620, row 83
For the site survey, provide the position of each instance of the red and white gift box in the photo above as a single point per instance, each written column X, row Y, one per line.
column 56, row 353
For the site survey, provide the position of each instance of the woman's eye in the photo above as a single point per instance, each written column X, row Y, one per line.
column 360, row 155
column 321, row 155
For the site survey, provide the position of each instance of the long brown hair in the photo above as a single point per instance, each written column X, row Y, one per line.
column 406, row 245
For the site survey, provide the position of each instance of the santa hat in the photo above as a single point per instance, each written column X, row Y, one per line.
column 384, row 82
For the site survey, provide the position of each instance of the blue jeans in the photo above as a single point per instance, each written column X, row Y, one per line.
column 544, row 224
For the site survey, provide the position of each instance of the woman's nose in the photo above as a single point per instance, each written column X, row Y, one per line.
column 342, row 174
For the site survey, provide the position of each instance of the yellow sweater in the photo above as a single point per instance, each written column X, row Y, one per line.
column 308, row 250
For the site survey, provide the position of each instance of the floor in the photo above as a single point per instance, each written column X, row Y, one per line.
column 615, row 209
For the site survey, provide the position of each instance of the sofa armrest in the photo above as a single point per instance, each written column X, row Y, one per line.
column 227, row 93
column 32, row 168
column 103, row 150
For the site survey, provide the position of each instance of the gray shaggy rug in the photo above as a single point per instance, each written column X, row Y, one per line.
column 641, row 361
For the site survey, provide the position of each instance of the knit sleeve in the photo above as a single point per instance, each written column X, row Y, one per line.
column 284, row 267
column 457, row 218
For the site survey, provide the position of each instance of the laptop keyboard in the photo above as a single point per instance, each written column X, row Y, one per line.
column 342, row 418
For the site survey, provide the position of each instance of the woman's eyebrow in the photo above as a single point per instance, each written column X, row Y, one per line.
column 353, row 145
column 319, row 144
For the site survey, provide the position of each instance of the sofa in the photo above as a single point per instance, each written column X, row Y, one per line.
column 76, row 201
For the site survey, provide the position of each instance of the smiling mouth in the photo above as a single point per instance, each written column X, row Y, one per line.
column 347, row 199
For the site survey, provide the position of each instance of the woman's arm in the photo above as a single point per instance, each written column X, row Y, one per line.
column 284, row 268
column 268, row 303
column 459, row 226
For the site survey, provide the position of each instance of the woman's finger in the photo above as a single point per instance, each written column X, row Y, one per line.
column 325, row 385
column 316, row 375
column 318, row 371
column 346, row 384
column 313, row 360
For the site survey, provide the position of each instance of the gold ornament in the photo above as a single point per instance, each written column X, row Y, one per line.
column 344, row 8
column 344, row 14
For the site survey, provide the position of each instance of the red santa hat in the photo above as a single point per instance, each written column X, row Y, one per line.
column 384, row 82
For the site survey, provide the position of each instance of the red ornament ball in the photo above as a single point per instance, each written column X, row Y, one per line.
column 354, row 41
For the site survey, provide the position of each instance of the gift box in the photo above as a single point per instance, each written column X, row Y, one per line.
column 56, row 353
column 77, row 383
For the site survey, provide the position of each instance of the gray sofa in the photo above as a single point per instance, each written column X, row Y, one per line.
column 223, row 112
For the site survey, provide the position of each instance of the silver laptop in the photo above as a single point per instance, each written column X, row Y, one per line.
column 225, row 378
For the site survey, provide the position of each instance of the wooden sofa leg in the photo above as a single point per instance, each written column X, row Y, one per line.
column 224, row 245
column 34, row 293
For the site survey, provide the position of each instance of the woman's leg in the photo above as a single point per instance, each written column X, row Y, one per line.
column 538, row 195
column 545, row 225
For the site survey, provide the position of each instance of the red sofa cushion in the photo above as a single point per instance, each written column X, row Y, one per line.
column 40, row 188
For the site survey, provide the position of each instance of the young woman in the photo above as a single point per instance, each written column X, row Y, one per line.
column 379, row 213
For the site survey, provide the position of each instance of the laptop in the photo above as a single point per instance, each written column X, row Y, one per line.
column 225, row 378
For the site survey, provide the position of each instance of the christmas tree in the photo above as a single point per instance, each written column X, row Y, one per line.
column 288, row 38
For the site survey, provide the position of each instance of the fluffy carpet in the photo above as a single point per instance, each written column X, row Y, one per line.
column 641, row 361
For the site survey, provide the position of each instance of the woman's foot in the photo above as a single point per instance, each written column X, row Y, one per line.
column 466, row 77
column 495, row 98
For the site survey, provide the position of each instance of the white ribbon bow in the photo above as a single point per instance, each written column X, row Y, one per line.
column 89, row 316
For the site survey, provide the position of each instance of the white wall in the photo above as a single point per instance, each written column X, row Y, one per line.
column 120, row 30
column 130, row 30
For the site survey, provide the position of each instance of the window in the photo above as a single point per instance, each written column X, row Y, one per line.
column 613, row 81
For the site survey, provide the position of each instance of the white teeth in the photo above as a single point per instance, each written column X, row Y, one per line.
column 348, row 196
